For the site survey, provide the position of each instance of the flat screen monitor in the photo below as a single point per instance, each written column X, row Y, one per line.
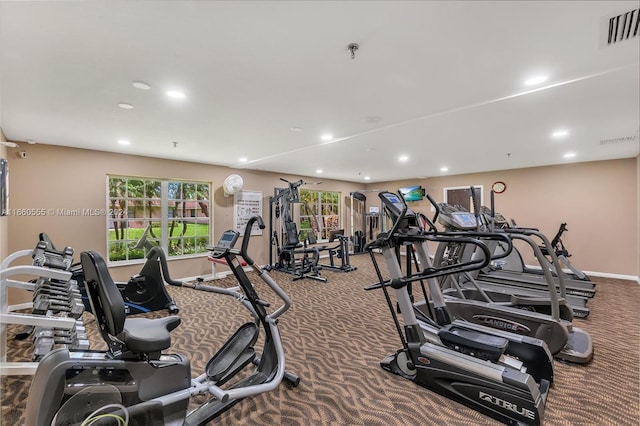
column 412, row 193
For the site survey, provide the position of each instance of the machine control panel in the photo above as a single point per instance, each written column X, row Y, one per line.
column 394, row 205
column 226, row 242
column 464, row 220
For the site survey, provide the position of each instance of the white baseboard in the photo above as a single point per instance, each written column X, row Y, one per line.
column 615, row 276
column 599, row 274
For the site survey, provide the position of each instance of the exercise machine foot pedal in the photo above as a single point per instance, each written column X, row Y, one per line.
column 234, row 354
column 472, row 343
column 247, row 356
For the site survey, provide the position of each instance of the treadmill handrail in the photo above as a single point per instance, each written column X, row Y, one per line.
column 433, row 272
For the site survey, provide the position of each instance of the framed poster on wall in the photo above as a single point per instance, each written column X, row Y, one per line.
column 245, row 205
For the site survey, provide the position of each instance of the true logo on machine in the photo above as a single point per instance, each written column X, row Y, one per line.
column 507, row 405
column 502, row 323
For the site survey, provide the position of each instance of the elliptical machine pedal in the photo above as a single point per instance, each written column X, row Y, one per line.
column 234, row 355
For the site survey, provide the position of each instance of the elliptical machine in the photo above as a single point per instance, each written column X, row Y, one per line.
column 465, row 362
column 133, row 382
column 145, row 291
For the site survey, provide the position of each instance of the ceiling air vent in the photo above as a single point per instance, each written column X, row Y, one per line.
column 618, row 140
column 623, row 26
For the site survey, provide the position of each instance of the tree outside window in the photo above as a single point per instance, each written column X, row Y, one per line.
column 319, row 212
column 135, row 203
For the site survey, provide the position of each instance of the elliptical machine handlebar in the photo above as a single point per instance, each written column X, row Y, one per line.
column 247, row 235
column 435, row 206
column 264, row 275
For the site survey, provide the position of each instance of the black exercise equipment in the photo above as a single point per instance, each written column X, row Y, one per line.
column 500, row 374
column 134, row 382
column 287, row 253
column 145, row 291
column 512, row 270
column 339, row 251
column 358, row 214
column 470, row 286
column 55, row 298
column 565, row 341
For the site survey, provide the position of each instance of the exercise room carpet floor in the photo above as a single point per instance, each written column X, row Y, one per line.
column 335, row 335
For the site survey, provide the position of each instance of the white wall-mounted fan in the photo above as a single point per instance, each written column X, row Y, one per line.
column 232, row 184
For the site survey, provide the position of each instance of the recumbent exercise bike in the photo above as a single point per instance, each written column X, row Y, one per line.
column 145, row 291
column 133, row 382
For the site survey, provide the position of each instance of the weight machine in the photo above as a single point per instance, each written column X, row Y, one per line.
column 339, row 251
column 290, row 255
column 363, row 220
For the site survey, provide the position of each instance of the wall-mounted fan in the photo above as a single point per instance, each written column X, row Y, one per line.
column 232, row 184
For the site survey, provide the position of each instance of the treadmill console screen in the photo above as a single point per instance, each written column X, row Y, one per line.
column 392, row 203
column 464, row 220
column 394, row 206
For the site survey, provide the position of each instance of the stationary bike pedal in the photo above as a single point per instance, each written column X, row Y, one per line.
column 236, row 351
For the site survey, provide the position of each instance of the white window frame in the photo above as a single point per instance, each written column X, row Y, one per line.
column 319, row 207
column 163, row 219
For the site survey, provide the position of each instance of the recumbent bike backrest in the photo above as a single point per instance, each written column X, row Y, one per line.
column 105, row 298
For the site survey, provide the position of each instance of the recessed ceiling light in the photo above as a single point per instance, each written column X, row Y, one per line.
column 326, row 137
column 559, row 134
column 367, row 178
column 570, row 155
column 403, row 158
column 318, row 171
column 535, row 80
column 141, row 85
column 125, row 105
column 295, row 129
column 31, row 142
column 175, row 94
column 124, row 142
column 444, row 169
column 243, row 159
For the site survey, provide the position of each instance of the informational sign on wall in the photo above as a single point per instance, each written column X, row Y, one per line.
column 245, row 205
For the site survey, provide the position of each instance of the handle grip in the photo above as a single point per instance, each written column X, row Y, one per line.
column 247, row 236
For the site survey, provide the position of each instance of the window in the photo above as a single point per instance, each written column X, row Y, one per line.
column 320, row 212
column 176, row 212
column 461, row 195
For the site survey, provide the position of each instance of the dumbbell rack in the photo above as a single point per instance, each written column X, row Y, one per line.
column 8, row 316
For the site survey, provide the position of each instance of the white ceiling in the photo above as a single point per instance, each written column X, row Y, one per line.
column 441, row 82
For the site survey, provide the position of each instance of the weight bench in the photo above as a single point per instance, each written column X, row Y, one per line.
column 215, row 262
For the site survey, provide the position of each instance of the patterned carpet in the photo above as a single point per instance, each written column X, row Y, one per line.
column 335, row 335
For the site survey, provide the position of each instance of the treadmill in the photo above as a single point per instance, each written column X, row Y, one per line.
column 532, row 294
